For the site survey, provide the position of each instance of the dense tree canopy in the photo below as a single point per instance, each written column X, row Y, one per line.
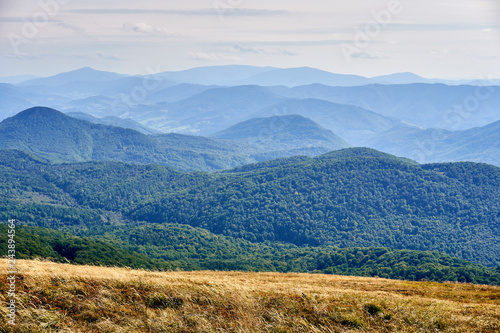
column 353, row 198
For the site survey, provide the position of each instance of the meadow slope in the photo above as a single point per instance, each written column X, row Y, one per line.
column 55, row 297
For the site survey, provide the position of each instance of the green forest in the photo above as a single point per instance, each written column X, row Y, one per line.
column 170, row 247
column 355, row 211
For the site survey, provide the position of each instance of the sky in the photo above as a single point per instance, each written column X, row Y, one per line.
column 432, row 38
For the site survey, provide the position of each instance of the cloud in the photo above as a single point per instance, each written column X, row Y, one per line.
column 440, row 52
column 147, row 29
column 200, row 12
column 19, row 19
column 96, row 55
column 248, row 49
column 252, row 50
column 486, row 30
column 23, row 56
column 369, row 55
column 286, row 52
column 433, row 27
column 72, row 27
column 107, row 56
column 205, row 56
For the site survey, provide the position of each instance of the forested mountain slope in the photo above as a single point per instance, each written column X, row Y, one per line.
column 353, row 197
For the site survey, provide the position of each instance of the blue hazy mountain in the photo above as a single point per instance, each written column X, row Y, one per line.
column 176, row 93
column 352, row 123
column 60, row 138
column 12, row 100
column 214, row 75
column 284, row 133
column 481, row 144
column 15, row 79
column 231, row 75
column 424, row 105
column 216, row 109
column 207, row 112
column 132, row 88
column 85, row 74
column 400, row 78
column 292, row 77
column 114, row 121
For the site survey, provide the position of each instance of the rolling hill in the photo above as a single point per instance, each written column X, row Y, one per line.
column 205, row 113
column 480, row 144
column 291, row 133
column 60, row 138
column 114, row 121
column 85, row 74
column 353, row 124
column 349, row 198
column 214, row 75
column 292, row 77
column 424, row 105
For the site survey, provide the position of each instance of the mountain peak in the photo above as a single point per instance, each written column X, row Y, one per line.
column 288, row 132
column 84, row 74
column 39, row 112
column 364, row 152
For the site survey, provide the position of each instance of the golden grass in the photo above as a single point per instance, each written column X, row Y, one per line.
column 66, row 298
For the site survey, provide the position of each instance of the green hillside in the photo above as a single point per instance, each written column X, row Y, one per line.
column 283, row 133
column 60, row 138
column 481, row 144
column 349, row 198
column 57, row 246
column 168, row 247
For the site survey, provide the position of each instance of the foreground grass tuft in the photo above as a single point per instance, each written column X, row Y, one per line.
column 67, row 298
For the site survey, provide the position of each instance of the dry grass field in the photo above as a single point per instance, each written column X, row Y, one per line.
column 66, row 298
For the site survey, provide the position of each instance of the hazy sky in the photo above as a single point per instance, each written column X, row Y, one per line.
column 432, row 38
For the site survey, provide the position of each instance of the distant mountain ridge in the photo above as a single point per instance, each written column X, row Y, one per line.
column 354, row 124
column 480, row 144
column 423, row 105
column 362, row 114
column 85, row 74
column 231, row 75
column 60, row 138
column 114, row 121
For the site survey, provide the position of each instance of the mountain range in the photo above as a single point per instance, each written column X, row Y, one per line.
column 53, row 135
column 114, row 121
column 354, row 197
column 60, row 138
column 251, row 168
column 231, row 75
column 481, row 144
column 424, row 105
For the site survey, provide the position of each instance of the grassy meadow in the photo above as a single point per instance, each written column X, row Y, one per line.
column 54, row 297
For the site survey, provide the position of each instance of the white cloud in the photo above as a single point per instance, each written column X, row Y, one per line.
column 370, row 55
column 76, row 29
column 148, row 29
column 228, row 9
column 210, row 56
column 286, row 52
column 248, row 49
column 252, row 50
column 107, row 56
